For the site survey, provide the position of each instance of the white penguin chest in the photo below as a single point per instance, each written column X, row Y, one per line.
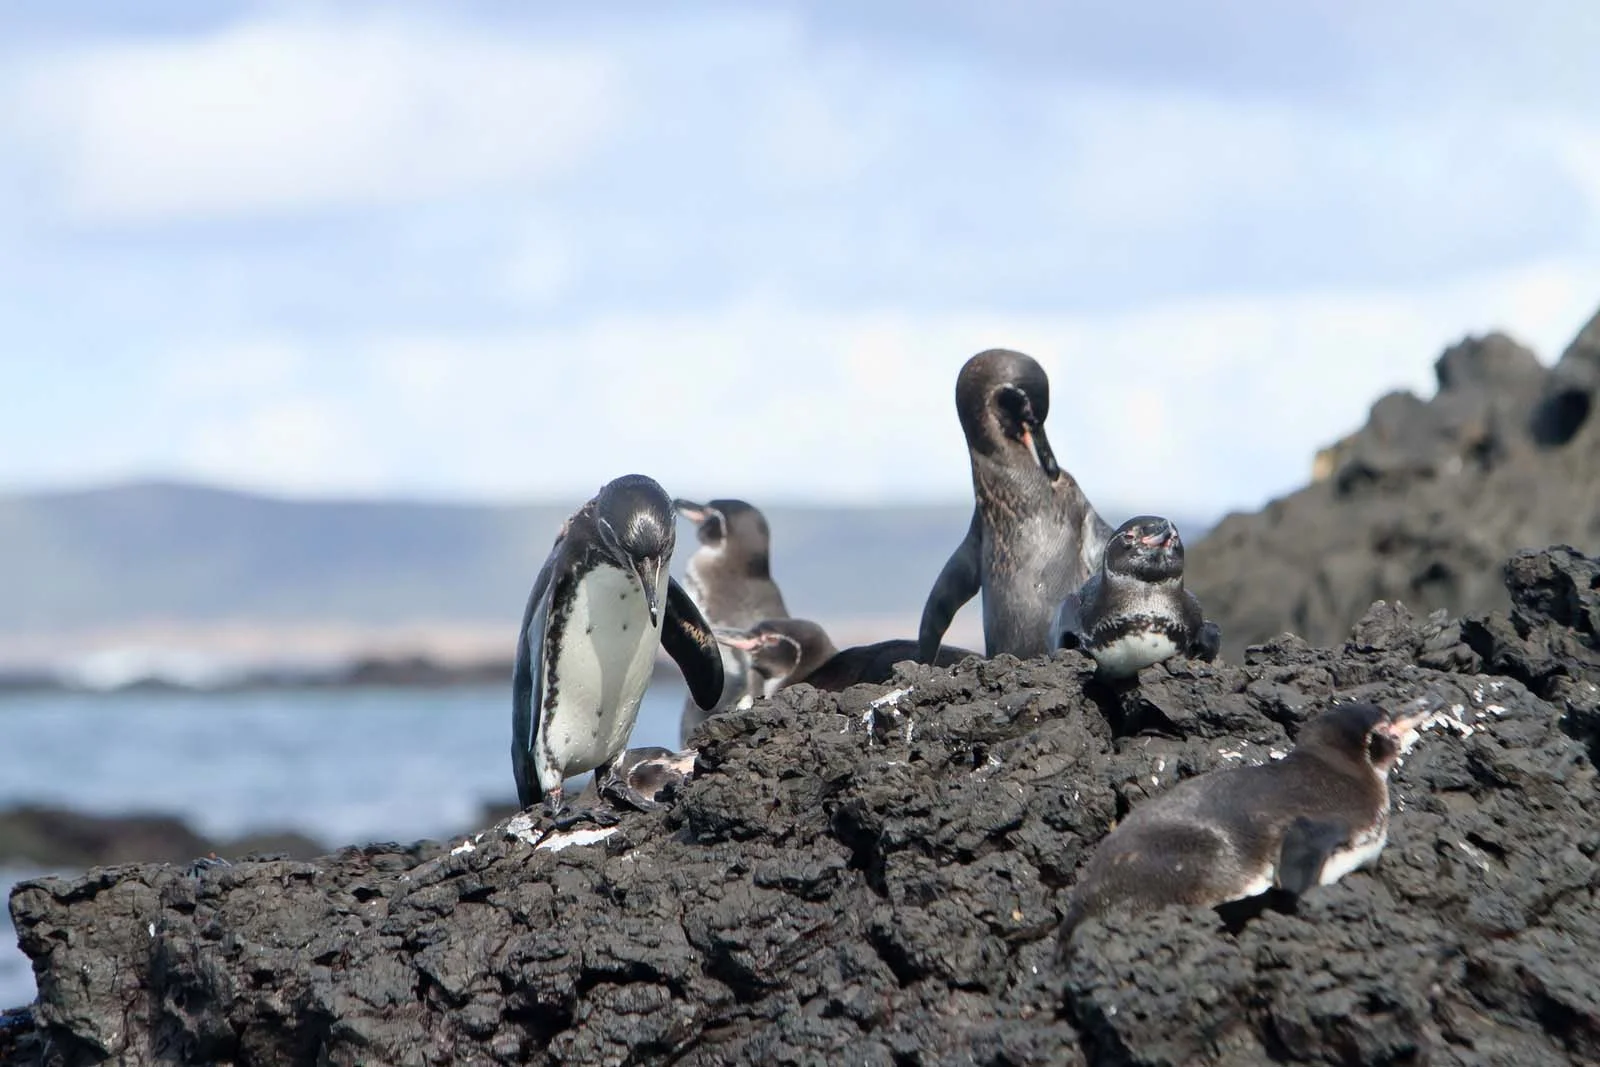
column 1362, row 853
column 601, row 669
column 1131, row 653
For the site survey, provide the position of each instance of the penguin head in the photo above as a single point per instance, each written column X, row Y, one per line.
column 778, row 647
column 656, row 772
column 634, row 516
column 1362, row 735
column 1146, row 548
column 718, row 523
column 1003, row 398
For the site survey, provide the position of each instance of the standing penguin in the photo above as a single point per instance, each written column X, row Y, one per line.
column 1305, row 820
column 602, row 604
column 1134, row 611
column 730, row 578
column 1034, row 536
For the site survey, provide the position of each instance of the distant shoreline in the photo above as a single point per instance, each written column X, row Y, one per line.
column 419, row 672
column 244, row 658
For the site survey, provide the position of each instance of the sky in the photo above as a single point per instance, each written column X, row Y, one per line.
column 488, row 251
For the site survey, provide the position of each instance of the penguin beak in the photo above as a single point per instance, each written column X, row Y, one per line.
column 1404, row 731
column 1160, row 536
column 1033, row 436
column 649, row 572
column 740, row 639
column 695, row 513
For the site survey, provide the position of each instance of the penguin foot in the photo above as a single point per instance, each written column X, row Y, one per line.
column 566, row 820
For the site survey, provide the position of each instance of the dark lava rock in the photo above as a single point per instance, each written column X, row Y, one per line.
column 54, row 837
column 1422, row 504
column 876, row 876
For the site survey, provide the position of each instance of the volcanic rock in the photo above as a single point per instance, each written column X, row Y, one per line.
column 1422, row 504
column 876, row 876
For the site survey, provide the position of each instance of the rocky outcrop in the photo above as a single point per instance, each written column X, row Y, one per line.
column 1422, row 504
column 876, row 876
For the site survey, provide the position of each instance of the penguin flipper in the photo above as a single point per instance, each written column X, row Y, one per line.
column 957, row 583
column 527, row 682
column 687, row 638
column 1207, row 639
column 1068, row 632
column 1307, row 844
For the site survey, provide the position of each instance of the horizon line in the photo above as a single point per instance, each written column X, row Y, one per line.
column 88, row 487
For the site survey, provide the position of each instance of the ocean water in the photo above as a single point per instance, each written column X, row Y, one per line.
column 343, row 766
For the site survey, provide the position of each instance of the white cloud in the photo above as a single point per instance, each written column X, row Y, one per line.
column 250, row 368
column 270, row 116
column 1189, row 407
column 545, row 264
column 744, row 257
column 292, row 444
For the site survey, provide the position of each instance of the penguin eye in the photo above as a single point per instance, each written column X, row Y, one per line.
column 1013, row 407
column 1380, row 746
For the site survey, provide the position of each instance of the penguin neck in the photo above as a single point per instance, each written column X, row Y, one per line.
column 1345, row 765
column 1007, row 488
column 730, row 560
column 729, row 584
column 1131, row 587
column 813, row 654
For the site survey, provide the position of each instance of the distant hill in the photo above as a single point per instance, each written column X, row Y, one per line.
column 136, row 554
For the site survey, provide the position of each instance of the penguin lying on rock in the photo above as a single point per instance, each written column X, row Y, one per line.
column 785, row 652
column 1305, row 820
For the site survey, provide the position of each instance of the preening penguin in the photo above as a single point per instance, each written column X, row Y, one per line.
column 601, row 605
column 1034, row 536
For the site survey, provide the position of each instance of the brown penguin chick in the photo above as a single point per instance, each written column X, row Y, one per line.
column 1305, row 820
column 730, row 574
column 1034, row 537
column 785, row 652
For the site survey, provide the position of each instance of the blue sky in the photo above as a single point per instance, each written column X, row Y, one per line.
column 485, row 250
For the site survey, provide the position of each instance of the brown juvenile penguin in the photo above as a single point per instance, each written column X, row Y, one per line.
column 1034, row 536
column 729, row 577
column 1305, row 820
